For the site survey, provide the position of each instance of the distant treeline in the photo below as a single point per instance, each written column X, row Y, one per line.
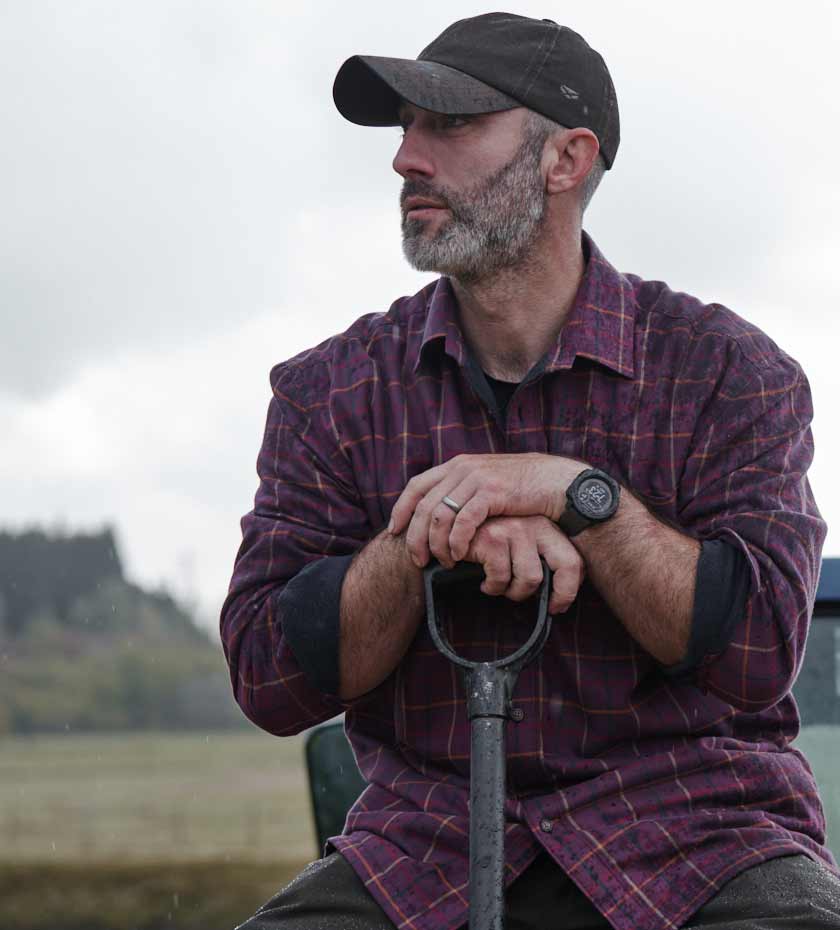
column 81, row 648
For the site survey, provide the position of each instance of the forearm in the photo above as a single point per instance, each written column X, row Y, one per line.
column 646, row 572
column 382, row 604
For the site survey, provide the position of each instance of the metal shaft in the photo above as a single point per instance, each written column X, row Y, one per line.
column 487, row 823
column 489, row 687
column 488, row 699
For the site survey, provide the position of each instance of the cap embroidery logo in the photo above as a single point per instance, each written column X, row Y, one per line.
column 568, row 93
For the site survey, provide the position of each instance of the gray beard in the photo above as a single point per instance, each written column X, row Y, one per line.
column 492, row 226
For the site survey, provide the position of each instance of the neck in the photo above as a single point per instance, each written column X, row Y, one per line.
column 513, row 319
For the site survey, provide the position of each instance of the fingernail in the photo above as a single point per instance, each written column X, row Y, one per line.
column 391, row 525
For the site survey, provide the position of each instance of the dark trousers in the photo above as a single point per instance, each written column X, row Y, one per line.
column 794, row 893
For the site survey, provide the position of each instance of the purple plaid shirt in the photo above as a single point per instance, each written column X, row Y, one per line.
column 649, row 792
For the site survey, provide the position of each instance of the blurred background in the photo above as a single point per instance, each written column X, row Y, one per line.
column 183, row 207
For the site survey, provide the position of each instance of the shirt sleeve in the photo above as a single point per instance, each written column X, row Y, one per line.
column 745, row 482
column 307, row 519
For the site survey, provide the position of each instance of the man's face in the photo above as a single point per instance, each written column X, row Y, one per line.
column 482, row 174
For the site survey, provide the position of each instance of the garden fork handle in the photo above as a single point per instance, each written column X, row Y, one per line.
column 489, row 687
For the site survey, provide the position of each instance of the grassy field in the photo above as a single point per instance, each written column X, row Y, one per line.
column 149, row 831
column 182, row 797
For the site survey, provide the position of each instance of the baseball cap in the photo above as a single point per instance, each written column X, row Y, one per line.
column 487, row 63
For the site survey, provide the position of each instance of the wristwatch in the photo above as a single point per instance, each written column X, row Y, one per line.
column 591, row 498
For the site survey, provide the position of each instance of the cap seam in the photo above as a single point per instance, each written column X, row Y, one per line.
column 527, row 71
column 542, row 63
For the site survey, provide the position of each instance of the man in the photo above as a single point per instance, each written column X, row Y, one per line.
column 533, row 402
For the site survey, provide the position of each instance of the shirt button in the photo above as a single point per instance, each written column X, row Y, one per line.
column 546, row 826
column 517, row 714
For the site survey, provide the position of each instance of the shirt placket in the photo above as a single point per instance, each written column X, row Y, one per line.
column 520, row 410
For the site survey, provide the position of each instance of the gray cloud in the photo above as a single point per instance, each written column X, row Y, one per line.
column 154, row 154
column 158, row 154
column 133, row 182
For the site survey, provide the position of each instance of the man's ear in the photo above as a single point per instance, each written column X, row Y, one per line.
column 571, row 154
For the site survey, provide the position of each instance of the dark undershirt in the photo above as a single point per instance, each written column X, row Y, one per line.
column 310, row 602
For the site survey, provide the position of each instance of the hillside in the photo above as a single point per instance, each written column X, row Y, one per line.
column 82, row 648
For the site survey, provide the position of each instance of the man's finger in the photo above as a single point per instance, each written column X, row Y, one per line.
column 526, row 566
column 496, row 571
column 491, row 551
column 416, row 489
column 418, row 535
column 470, row 517
column 440, row 525
column 568, row 568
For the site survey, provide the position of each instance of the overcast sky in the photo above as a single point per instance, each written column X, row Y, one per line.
column 183, row 207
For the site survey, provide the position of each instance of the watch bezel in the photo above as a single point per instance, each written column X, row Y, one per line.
column 581, row 506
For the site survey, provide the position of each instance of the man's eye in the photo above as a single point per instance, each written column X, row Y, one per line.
column 447, row 121
column 452, row 121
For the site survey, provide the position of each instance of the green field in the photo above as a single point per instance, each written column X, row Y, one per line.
column 182, row 797
column 148, row 831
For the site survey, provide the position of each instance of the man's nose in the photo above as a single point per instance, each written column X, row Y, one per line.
column 412, row 156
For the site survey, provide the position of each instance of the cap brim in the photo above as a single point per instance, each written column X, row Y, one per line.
column 368, row 90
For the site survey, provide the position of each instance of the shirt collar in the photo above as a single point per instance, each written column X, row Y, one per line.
column 600, row 324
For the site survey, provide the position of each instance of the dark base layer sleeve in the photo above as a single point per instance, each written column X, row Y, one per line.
column 720, row 597
column 310, row 606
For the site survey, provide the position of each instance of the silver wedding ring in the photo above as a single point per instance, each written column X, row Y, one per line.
column 451, row 504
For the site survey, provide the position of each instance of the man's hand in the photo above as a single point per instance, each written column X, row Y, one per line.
column 509, row 550
column 484, row 486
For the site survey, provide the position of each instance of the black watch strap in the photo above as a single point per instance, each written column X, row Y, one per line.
column 572, row 522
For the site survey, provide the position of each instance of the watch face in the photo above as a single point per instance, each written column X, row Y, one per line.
column 594, row 498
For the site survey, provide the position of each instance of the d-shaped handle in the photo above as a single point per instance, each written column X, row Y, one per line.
column 435, row 576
